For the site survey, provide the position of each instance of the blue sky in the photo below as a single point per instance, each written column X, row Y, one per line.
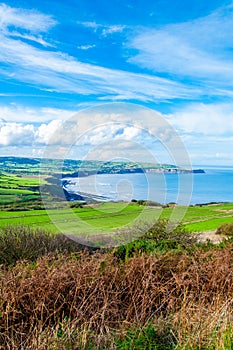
column 174, row 57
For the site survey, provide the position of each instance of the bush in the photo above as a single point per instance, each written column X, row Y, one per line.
column 148, row 203
column 22, row 242
column 141, row 202
column 163, row 231
column 156, row 237
column 77, row 205
column 225, row 229
column 134, row 248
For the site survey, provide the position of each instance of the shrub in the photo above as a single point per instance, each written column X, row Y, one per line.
column 156, row 237
column 225, row 229
column 141, row 202
column 148, row 203
column 134, row 248
column 22, row 242
column 163, row 230
column 77, row 204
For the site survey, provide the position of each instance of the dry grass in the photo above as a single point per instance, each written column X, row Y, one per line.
column 92, row 301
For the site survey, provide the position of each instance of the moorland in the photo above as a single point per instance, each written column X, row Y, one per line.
column 165, row 290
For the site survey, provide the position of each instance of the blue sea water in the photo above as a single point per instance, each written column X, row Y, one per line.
column 215, row 185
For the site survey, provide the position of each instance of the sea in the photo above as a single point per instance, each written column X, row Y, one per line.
column 215, row 185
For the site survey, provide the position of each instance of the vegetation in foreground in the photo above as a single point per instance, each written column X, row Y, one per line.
column 163, row 296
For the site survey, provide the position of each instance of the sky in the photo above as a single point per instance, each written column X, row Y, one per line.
column 174, row 58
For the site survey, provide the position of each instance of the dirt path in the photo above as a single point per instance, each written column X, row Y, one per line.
column 211, row 235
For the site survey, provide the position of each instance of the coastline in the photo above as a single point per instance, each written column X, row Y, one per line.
column 162, row 170
column 216, row 186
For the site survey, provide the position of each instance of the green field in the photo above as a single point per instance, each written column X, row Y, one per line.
column 108, row 216
column 111, row 216
column 15, row 189
column 20, row 203
column 208, row 217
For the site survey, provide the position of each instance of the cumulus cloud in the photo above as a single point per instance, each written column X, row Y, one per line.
column 67, row 132
column 12, row 134
column 123, row 135
column 46, row 132
column 108, row 133
column 19, row 134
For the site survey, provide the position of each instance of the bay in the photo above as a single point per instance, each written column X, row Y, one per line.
column 215, row 185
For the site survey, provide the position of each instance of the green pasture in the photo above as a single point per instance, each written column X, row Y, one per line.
column 108, row 217
column 13, row 181
column 12, row 191
column 210, row 224
column 104, row 218
column 15, row 189
column 208, row 217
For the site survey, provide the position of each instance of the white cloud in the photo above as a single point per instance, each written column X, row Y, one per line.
column 108, row 30
column 104, row 30
column 57, row 71
column 13, row 134
column 108, row 133
column 16, row 134
column 123, row 135
column 93, row 25
column 44, row 122
column 206, row 119
column 200, row 49
column 207, row 131
column 19, row 113
column 38, row 39
column 25, row 19
column 60, row 72
column 86, row 47
column 129, row 133
column 46, row 131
